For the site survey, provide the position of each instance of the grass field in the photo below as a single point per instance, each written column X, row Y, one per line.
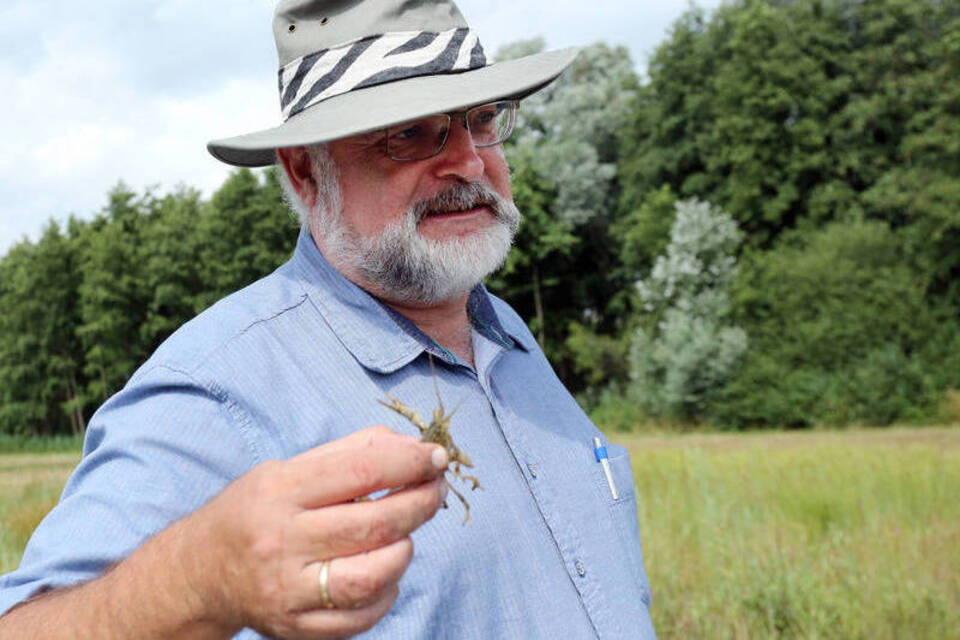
column 849, row 535
column 833, row 534
column 30, row 484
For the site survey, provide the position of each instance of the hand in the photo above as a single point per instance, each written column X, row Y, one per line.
column 266, row 535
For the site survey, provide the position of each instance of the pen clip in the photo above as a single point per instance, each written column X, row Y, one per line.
column 600, row 452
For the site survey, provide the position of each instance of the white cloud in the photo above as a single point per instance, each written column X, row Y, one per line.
column 187, row 124
column 84, row 148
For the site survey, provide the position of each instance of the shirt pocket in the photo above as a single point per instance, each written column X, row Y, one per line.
column 623, row 513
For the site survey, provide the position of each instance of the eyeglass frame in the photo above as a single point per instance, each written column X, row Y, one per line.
column 513, row 106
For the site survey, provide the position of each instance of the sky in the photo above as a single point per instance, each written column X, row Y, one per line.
column 99, row 92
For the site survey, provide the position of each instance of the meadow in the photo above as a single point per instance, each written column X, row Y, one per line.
column 820, row 534
column 30, row 484
column 835, row 534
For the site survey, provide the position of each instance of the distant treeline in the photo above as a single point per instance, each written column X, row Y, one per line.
column 763, row 232
column 85, row 305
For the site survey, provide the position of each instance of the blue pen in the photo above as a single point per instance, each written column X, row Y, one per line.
column 600, row 452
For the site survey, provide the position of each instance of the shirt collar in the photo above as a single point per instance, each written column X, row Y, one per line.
column 378, row 337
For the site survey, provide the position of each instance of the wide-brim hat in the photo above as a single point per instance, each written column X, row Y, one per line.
column 354, row 66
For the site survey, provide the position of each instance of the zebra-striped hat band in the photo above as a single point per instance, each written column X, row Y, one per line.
column 375, row 60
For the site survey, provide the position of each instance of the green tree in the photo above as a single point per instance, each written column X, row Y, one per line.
column 839, row 330
column 40, row 355
column 799, row 117
column 563, row 270
column 245, row 232
column 795, row 114
column 541, row 239
column 169, row 246
column 687, row 348
column 643, row 233
column 113, row 300
column 80, row 310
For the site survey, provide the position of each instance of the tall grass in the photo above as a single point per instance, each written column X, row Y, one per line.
column 30, row 485
column 842, row 535
column 37, row 444
column 20, row 518
column 846, row 535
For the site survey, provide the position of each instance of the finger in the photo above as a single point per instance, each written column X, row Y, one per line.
column 360, row 580
column 353, row 527
column 353, row 582
column 353, row 439
column 335, row 623
column 360, row 464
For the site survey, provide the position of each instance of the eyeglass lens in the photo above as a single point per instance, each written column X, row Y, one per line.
column 488, row 124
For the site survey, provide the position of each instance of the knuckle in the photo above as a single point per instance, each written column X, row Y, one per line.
column 363, row 586
column 267, row 548
column 281, row 627
column 382, row 530
column 424, row 502
column 370, row 437
column 379, row 431
column 267, row 478
column 375, row 531
column 366, row 472
column 269, row 609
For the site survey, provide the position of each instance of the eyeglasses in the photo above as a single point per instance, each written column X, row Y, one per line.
column 487, row 124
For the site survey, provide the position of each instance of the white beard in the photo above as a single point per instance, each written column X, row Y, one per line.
column 408, row 268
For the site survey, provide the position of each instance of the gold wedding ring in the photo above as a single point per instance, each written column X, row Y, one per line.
column 325, row 601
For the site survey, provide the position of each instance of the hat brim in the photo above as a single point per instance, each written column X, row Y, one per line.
column 384, row 105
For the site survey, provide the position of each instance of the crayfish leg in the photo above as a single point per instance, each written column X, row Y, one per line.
column 466, row 507
column 472, row 479
column 405, row 411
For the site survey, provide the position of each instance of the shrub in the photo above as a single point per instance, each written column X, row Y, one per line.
column 839, row 330
column 687, row 350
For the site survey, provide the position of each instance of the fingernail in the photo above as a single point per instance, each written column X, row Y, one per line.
column 443, row 489
column 439, row 458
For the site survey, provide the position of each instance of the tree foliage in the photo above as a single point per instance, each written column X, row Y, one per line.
column 828, row 130
column 840, row 332
column 80, row 309
column 791, row 114
column 564, row 270
column 687, row 348
column 40, row 355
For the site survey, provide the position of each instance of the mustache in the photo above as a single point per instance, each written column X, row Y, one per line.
column 459, row 197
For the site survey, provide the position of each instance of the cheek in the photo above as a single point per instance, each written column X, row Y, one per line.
column 497, row 172
column 368, row 205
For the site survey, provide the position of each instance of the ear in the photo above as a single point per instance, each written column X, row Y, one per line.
column 299, row 167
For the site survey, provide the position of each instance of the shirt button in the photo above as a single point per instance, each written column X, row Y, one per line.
column 532, row 468
column 581, row 570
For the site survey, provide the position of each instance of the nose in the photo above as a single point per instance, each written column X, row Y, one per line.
column 459, row 157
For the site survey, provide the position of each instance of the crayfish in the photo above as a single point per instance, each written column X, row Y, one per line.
column 438, row 432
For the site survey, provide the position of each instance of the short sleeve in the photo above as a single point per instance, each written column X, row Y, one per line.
column 155, row 452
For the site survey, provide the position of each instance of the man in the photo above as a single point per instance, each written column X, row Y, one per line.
column 226, row 491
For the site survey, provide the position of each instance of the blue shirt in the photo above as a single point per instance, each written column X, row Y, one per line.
column 300, row 358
